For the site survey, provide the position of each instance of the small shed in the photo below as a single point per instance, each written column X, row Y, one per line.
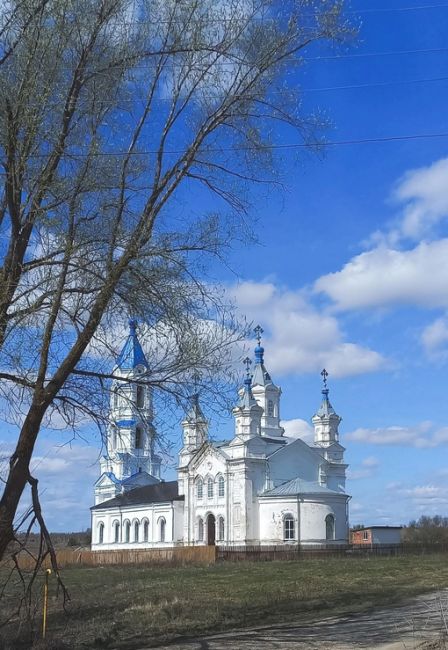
column 373, row 535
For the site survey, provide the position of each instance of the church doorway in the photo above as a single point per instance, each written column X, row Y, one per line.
column 211, row 530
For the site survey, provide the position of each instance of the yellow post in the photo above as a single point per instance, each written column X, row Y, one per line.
column 44, row 618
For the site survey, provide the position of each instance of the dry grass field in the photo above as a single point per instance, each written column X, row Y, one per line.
column 137, row 606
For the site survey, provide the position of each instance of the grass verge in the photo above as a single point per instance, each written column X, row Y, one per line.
column 135, row 606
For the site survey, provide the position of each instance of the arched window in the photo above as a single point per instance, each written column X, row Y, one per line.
column 210, row 488
column 140, row 397
column 145, row 530
column 162, row 527
column 329, row 527
column 127, row 531
column 221, row 486
column 288, row 526
column 138, row 437
column 199, row 489
column 136, row 525
column 101, row 533
column 220, row 529
column 270, row 408
column 116, row 532
column 115, row 398
column 201, row 530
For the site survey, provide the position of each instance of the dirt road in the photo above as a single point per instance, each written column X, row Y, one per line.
column 405, row 627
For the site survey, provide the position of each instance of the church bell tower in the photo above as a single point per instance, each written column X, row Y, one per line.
column 130, row 435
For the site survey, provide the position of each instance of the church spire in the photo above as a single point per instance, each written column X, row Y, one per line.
column 132, row 354
column 195, row 430
column 247, row 399
column 266, row 392
column 326, row 420
column 247, row 413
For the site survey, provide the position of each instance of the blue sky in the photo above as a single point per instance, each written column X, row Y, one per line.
column 350, row 273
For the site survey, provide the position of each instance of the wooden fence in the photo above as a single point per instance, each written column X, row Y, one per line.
column 304, row 552
column 177, row 556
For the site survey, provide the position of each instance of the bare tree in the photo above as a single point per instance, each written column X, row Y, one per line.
column 112, row 113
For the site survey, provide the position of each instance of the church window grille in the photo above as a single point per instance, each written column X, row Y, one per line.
column 127, row 532
column 221, row 486
column 140, row 397
column 210, row 488
column 116, row 532
column 200, row 489
column 136, row 527
column 162, row 528
column 101, row 533
column 289, row 532
column 270, row 408
column 329, row 527
column 220, row 529
column 200, row 530
column 145, row 531
column 138, row 438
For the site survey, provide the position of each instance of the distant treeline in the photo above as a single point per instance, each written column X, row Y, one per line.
column 61, row 540
column 427, row 530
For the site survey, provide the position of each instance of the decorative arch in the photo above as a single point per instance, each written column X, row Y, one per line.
column 127, row 531
column 162, row 529
column 221, row 533
column 221, row 486
column 200, row 529
column 140, row 396
column 199, row 488
column 116, row 531
column 138, row 437
column 101, row 533
column 289, row 528
column 329, row 527
column 136, row 530
column 145, row 526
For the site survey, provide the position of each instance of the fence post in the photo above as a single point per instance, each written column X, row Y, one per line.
column 44, row 616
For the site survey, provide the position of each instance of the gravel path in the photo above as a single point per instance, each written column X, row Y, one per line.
column 418, row 623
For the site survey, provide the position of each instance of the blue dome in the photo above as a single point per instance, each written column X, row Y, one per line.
column 259, row 352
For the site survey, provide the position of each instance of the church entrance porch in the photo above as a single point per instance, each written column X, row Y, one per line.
column 211, row 530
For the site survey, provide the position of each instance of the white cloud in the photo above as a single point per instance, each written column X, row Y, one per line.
column 396, row 270
column 420, row 436
column 434, row 337
column 301, row 338
column 386, row 277
column 298, row 428
column 425, row 194
column 367, row 469
column 370, row 461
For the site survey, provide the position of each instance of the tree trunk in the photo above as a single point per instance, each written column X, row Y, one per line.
column 19, row 471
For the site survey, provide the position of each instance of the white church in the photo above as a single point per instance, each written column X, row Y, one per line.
column 259, row 488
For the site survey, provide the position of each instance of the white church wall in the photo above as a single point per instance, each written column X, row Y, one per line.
column 313, row 513
column 154, row 514
column 293, row 460
column 272, row 513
